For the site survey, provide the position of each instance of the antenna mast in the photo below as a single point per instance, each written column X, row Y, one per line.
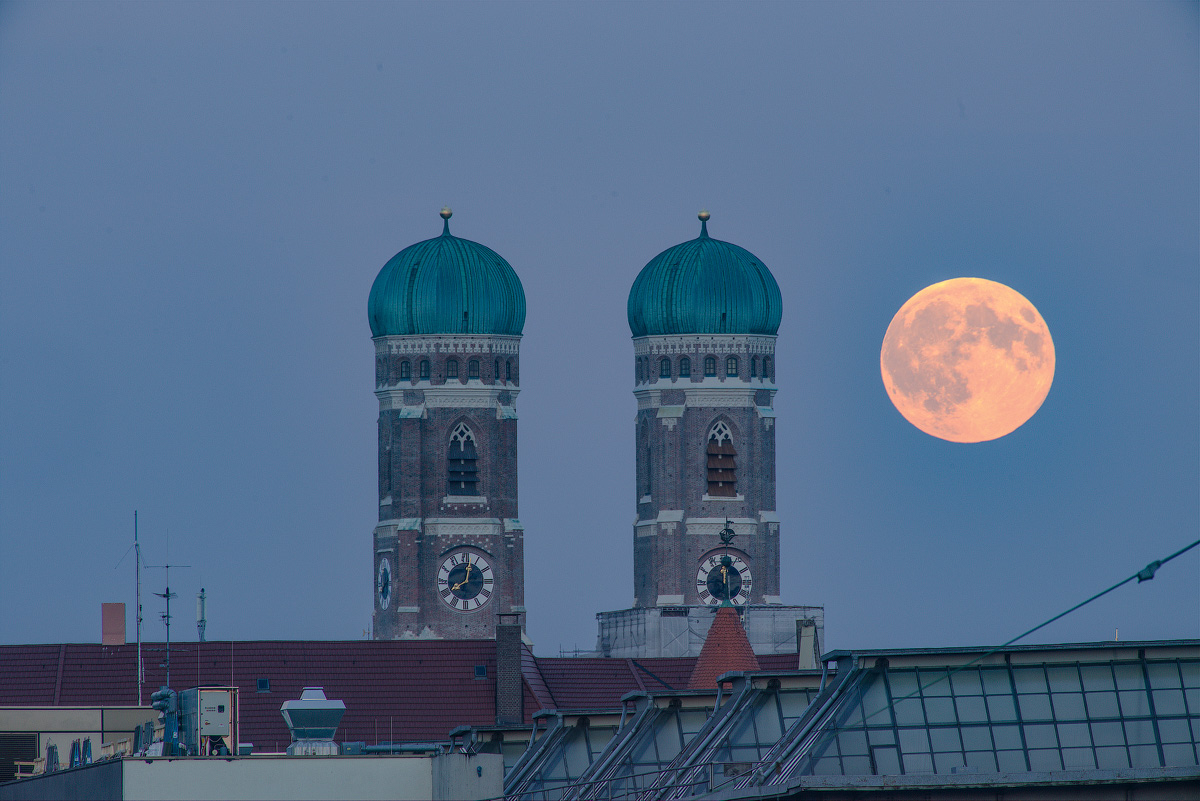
column 137, row 558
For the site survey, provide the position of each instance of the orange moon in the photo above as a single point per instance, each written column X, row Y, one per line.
column 967, row 360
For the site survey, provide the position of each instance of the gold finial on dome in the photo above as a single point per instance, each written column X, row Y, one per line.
column 447, row 214
column 703, row 215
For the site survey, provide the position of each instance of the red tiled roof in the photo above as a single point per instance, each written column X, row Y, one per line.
column 402, row 691
column 725, row 648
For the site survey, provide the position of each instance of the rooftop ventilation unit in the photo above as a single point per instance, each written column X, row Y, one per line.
column 313, row 720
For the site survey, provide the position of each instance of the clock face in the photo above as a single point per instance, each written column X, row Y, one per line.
column 724, row 577
column 383, row 582
column 465, row 581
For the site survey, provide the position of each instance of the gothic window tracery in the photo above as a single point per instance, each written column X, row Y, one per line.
column 731, row 367
column 451, row 368
column 406, row 370
column 424, row 369
column 463, row 471
column 473, row 369
column 710, row 366
column 664, row 368
column 685, row 367
column 722, row 464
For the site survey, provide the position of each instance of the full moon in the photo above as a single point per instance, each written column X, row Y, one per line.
column 967, row 360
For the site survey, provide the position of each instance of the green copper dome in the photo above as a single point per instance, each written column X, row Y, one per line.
column 705, row 286
column 446, row 285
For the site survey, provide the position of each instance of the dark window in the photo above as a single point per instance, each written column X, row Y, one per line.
column 685, row 367
column 473, row 368
column 664, row 368
column 722, row 465
column 767, row 367
column 481, row 671
column 731, row 365
column 637, row 370
column 710, row 365
column 508, row 370
column 405, row 370
column 16, row 748
column 425, row 369
column 753, row 366
column 463, row 477
column 264, row 685
column 451, row 368
column 496, row 374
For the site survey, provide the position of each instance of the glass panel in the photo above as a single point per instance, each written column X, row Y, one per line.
column 1074, row 734
column 852, row 743
column 1097, row 677
column 888, row 737
column 1192, row 696
column 1143, row 756
column 935, row 682
column 945, row 762
column 966, row 682
column 1169, row 702
column 1174, row 730
column 693, row 720
column 902, row 683
column 1108, row 733
column 940, row 710
column 913, row 741
column 1001, row 707
column 1011, row 761
column 1035, row 707
column 995, row 681
column 971, row 709
column 945, row 739
column 1129, row 677
column 1068, row 706
column 1102, row 705
column 976, row 738
column 1163, row 675
column 1078, row 758
column 1040, row 736
column 875, row 703
column 830, row 766
column 1179, row 755
column 1030, row 680
column 985, row 761
column 1191, row 673
column 1006, row 736
column 856, row 765
column 917, row 763
column 1112, row 758
column 1044, row 759
column 887, row 761
column 1063, row 679
column 766, row 720
column 1196, row 730
column 909, row 712
column 1139, row 731
column 1134, row 703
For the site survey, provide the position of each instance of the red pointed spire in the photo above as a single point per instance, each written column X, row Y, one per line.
column 726, row 648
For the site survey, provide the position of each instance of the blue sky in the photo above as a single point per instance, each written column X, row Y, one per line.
column 195, row 198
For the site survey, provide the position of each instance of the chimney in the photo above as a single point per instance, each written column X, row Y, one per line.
column 807, row 647
column 112, row 624
column 510, row 685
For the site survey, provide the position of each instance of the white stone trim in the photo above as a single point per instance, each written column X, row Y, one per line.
column 513, row 524
column 389, row 549
column 669, row 600
column 670, row 411
column 506, row 412
column 410, row 610
column 721, row 498
column 765, row 411
column 457, row 527
column 449, row 344
column 768, row 516
column 717, row 344
column 400, row 524
column 465, row 500
column 711, row 527
column 774, row 600
column 707, row 395
column 670, row 516
column 644, row 499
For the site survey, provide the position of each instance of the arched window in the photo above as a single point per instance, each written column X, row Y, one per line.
column 664, row 368
column 508, row 370
column 722, row 467
column 637, row 370
column 753, row 366
column 685, row 367
column 463, row 475
column 405, row 370
column 424, row 369
column 496, row 373
column 767, row 374
column 451, row 368
column 731, row 366
column 710, row 365
column 473, row 369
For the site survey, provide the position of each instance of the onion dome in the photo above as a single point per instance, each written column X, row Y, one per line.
column 705, row 286
column 446, row 285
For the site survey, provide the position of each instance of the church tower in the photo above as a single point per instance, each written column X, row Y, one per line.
column 446, row 316
column 704, row 315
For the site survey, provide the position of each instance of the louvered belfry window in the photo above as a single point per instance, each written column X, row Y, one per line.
column 463, row 469
column 722, row 464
